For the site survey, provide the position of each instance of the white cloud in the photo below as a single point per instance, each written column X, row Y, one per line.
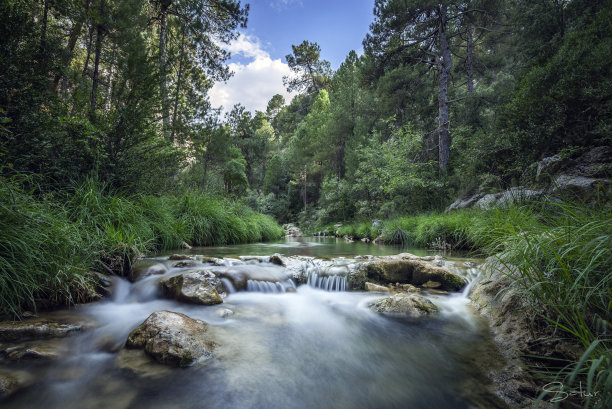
column 283, row 4
column 254, row 82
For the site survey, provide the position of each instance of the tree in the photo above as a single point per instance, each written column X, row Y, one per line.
column 419, row 28
column 311, row 73
column 275, row 105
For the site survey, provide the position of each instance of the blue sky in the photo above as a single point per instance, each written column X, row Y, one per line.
column 258, row 61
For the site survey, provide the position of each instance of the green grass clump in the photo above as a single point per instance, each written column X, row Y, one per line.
column 565, row 268
column 47, row 246
column 43, row 255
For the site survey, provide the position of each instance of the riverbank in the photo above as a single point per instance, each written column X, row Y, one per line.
column 553, row 258
column 52, row 245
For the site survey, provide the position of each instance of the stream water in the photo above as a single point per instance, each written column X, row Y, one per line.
column 305, row 349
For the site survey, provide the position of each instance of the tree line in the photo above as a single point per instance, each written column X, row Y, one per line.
column 447, row 98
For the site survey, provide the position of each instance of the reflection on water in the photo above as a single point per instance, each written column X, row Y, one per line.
column 308, row 349
column 320, row 247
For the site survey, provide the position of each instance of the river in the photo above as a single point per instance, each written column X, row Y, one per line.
column 305, row 349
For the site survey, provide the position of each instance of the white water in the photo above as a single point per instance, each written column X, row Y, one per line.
column 279, row 350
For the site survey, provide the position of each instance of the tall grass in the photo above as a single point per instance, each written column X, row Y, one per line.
column 43, row 255
column 565, row 269
column 47, row 246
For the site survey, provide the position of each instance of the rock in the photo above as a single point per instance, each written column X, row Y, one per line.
column 278, row 259
column 12, row 381
column 415, row 272
column 410, row 288
column 348, row 239
column 379, row 240
column 550, row 165
column 365, row 240
column 579, row 186
column 185, row 264
column 465, row 202
column 36, row 353
column 225, row 312
column 8, row 384
column 147, row 268
column 376, row 287
column 196, row 287
column 291, row 230
column 179, row 257
column 186, row 246
column 431, row 284
column 411, row 305
column 509, row 197
column 36, row 329
column 172, row 338
column 258, row 259
column 141, row 365
column 376, row 223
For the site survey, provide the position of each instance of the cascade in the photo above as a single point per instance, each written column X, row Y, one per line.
column 269, row 286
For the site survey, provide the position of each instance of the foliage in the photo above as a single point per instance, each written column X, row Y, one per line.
column 49, row 245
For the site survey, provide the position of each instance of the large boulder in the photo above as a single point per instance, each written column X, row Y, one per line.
column 415, row 272
column 409, row 305
column 197, row 287
column 172, row 338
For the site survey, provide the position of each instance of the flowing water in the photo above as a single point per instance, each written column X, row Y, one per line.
column 308, row 348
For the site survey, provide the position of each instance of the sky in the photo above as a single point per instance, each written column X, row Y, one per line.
column 258, row 55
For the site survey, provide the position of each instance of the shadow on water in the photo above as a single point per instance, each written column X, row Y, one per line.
column 307, row 349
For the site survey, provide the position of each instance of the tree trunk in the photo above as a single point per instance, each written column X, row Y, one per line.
column 162, row 67
column 305, row 177
column 43, row 32
column 470, row 60
column 109, row 89
column 178, row 86
column 89, row 44
column 445, row 64
column 98, row 52
column 204, row 176
column 73, row 37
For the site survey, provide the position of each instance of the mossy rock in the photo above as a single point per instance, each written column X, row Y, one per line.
column 415, row 272
column 196, row 287
column 172, row 338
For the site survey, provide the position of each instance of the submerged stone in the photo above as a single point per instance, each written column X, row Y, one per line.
column 36, row 329
column 179, row 257
column 411, row 305
column 198, row 287
column 172, row 338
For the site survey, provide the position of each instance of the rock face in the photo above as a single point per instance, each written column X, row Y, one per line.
column 415, row 272
column 36, row 329
column 584, row 177
column 172, row 338
column 409, row 305
column 198, row 287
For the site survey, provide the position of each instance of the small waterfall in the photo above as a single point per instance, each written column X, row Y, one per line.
column 269, row 286
column 229, row 287
column 328, row 283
